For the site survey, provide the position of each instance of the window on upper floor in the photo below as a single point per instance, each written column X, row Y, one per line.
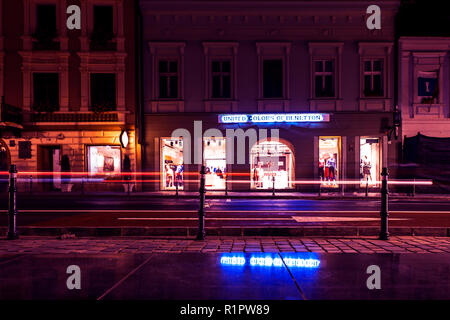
column 373, row 78
column 103, row 29
column 428, row 87
column 221, row 78
column 103, row 91
column 45, row 92
column 324, row 79
column 46, row 31
column 168, row 79
column 273, row 78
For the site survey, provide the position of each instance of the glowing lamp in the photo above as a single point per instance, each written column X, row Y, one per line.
column 123, row 138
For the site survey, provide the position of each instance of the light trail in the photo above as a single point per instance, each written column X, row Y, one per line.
column 225, row 211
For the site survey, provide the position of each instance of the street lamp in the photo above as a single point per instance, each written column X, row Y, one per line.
column 123, row 138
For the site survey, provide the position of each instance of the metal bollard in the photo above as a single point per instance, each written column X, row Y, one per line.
column 273, row 185
column 176, row 188
column 384, row 212
column 367, row 187
column 226, row 185
column 31, row 184
column 12, row 209
column 320, row 188
column 201, row 210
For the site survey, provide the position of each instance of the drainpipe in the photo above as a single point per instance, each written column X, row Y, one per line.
column 139, row 112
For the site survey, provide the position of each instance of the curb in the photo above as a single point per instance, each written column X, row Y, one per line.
column 306, row 231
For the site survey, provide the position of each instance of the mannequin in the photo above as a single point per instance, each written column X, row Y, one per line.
column 331, row 164
column 366, row 169
column 321, row 168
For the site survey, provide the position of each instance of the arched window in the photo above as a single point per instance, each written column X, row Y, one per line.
column 271, row 162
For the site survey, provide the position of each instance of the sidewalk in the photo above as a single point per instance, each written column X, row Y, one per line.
column 369, row 245
column 277, row 268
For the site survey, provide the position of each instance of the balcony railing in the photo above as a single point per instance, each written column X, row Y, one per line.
column 44, row 40
column 75, row 117
column 102, row 41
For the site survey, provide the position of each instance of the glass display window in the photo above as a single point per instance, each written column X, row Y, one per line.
column 214, row 153
column 370, row 160
column 104, row 159
column 329, row 161
column 172, row 164
column 271, row 162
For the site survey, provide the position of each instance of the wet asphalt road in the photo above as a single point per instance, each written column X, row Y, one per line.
column 138, row 211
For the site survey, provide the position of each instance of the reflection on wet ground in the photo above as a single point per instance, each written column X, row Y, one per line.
column 200, row 276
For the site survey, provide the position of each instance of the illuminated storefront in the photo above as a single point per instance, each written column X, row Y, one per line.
column 370, row 160
column 271, row 164
column 329, row 160
column 214, row 154
column 172, row 164
column 104, row 159
column 310, row 150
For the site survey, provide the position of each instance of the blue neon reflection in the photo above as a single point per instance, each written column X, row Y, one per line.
column 268, row 261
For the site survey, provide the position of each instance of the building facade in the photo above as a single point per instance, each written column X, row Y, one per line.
column 310, row 70
column 424, row 86
column 75, row 89
column 424, row 101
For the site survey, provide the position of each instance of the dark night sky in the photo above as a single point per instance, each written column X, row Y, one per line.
column 424, row 18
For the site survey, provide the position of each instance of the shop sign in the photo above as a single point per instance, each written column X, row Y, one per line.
column 274, row 118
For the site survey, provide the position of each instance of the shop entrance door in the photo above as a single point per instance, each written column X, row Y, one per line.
column 49, row 160
column 271, row 163
column 370, row 160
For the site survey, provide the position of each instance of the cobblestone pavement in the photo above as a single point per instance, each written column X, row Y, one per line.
column 398, row 244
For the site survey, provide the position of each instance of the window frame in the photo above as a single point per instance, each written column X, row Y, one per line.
column 282, row 78
column 32, row 106
column 86, row 152
column 323, row 74
column 221, row 74
column 169, row 75
column 90, row 88
column 220, row 51
column 372, row 75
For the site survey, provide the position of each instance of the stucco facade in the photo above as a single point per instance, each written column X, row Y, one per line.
column 74, row 126
column 307, row 41
column 426, row 58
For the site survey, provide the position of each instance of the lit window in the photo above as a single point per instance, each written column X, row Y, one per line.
column 214, row 154
column 172, row 163
column 272, row 164
column 329, row 160
column 370, row 160
column 104, row 159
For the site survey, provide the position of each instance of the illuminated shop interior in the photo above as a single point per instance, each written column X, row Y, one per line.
column 214, row 153
column 104, row 159
column 329, row 160
column 269, row 160
column 370, row 160
column 172, row 164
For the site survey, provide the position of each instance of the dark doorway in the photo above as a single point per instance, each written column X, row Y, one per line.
column 5, row 161
column 49, row 160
